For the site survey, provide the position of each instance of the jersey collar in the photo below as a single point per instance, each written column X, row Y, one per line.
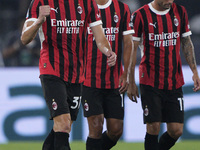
column 158, row 12
column 105, row 6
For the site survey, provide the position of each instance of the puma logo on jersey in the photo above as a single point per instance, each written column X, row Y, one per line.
column 154, row 25
column 56, row 10
column 98, row 16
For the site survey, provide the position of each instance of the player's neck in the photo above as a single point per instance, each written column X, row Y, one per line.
column 101, row 2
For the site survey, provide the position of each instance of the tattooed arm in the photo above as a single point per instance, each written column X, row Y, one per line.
column 188, row 51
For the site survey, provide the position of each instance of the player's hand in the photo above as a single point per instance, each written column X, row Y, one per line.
column 111, row 58
column 123, row 83
column 196, row 82
column 44, row 11
column 132, row 92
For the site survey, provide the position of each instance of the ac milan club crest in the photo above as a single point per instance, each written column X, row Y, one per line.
column 116, row 18
column 176, row 22
column 146, row 111
column 54, row 105
column 86, row 106
column 80, row 9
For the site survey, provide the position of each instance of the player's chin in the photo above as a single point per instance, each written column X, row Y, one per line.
column 167, row 6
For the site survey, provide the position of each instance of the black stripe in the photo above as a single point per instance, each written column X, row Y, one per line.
column 59, row 43
column 94, row 54
column 113, row 24
column 49, row 40
column 147, row 51
column 183, row 19
column 174, row 63
column 78, row 17
column 121, row 29
column 92, row 16
column 30, row 8
column 85, row 3
column 183, row 30
column 157, row 52
column 93, row 65
column 140, row 28
column 69, row 43
column 37, row 9
column 104, row 58
column 166, row 63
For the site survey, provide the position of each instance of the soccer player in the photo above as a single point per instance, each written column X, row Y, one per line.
column 161, row 27
column 62, row 28
column 104, row 85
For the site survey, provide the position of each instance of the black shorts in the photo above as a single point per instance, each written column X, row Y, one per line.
column 61, row 97
column 162, row 105
column 102, row 101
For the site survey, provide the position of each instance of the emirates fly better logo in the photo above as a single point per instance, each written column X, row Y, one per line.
column 164, row 39
column 67, row 26
column 109, row 33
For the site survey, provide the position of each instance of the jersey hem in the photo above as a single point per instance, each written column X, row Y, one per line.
column 136, row 38
column 186, row 34
column 99, row 22
column 128, row 32
column 31, row 19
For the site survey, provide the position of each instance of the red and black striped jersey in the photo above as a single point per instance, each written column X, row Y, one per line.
column 160, row 33
column 116, row 23
column 63, row 34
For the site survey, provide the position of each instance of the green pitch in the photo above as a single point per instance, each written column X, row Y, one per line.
column 183, row 145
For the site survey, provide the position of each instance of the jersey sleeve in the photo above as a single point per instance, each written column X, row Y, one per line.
column 127, row 25
column 33, row 11
column 185, row 28
column 136, row 21
column 95, row 17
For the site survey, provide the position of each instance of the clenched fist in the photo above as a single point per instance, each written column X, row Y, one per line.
column 44, row 11
column 111, row 58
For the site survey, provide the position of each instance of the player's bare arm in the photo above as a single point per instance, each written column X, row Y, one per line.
column 188, row 51
column 31, row 28
column 103, row 44
column 127, row 50
column 132, row 91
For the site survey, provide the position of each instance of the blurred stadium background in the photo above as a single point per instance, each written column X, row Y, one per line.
column 23, row 112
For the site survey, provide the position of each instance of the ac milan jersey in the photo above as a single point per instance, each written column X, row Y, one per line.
column 63, row 34
column 116, row 23
column 160, row 33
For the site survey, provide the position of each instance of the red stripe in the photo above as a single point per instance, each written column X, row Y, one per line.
column 34, row 9
column 80, row 45
column 45, row 45
column 98, row 69
column 152, row 49
column 74, row 42
column 108, row 24
column 162, row 55
column 96, row 10
column 115, row 72
column 87, row 82
column 178, row 59
column 64, row 42
column 170, row 30
column 54, row 39
column 137, row 23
